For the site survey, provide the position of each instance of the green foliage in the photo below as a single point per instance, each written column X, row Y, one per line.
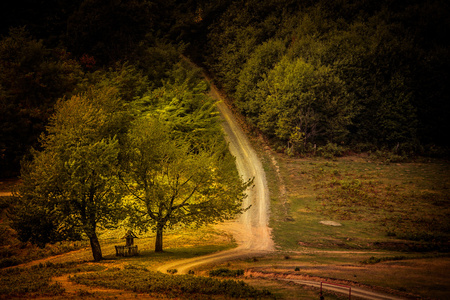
column 73, row 183
column 130, row 82
column 155, row 58
column 186, row 286
column 330, row 150
column 375, row 260
column 297, row 98
column 184, row 107
column 32, row 78
column 262, row 59
column 177, row 168
column 170, row 183
column 20, row 282
column 373, row 63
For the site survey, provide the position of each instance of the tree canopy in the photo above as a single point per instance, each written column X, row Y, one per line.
column 172, row 184
column 384, row 58
column 74, row 180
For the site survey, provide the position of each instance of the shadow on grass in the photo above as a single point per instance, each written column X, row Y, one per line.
column 151, row 259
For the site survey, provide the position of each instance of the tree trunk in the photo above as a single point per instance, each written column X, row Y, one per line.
column 96, row 250
column 159, row 238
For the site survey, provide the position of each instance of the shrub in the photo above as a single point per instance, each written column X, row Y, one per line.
column 9, row 262
column 330, row 150
column 225, row 272
column 34, row 280
column 375, row 260
column 4, row 202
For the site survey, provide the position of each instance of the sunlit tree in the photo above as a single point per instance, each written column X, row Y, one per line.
column 74, row 180
column 171, row 184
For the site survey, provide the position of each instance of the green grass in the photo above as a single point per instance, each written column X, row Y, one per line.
column 395, row 229
column 36, row 280
column 178, row 244
column 380, row 206
column 172, row 286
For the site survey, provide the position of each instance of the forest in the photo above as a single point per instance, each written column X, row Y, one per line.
column 106, row 124
column 106, row 121
column 311, row 76
column 355, row 75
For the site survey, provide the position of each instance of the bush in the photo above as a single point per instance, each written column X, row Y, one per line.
column 389, row 157
column 5, row 253
column 34, row 280
column 9, row 262
column 375, row 260
column 225, row 272
column 330, row 150
column 4, row 202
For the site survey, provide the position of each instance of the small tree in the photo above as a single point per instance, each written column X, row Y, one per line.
column 171, row 184
column 74, row 180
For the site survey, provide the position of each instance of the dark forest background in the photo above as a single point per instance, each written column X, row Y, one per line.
column 331, row 74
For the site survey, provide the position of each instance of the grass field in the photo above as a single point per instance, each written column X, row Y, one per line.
column 380, row 206
column 394, row 217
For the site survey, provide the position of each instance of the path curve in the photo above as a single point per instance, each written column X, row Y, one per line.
column 355, row 291
column 250, row 230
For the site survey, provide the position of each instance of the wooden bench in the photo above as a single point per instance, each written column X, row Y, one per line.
column 127, row 250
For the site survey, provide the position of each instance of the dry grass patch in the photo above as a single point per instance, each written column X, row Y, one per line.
column 384, row 206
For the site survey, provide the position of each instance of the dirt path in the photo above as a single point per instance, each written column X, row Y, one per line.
column 354, row 291
column 250, row 230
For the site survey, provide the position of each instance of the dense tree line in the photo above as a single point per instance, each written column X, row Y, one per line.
column 110, row 124
column 364, row 74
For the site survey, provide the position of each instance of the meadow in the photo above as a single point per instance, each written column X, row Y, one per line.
column 393, row 237
column 393, row 221
column 380, row 205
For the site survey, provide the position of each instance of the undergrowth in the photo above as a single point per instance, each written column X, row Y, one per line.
column 174, row 286
column 225, row 272
column 36, row 280
column 14, row 252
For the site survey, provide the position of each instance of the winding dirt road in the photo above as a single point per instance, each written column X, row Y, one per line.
column 250, row 230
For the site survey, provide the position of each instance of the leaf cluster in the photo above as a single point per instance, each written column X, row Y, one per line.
column 335, row 72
